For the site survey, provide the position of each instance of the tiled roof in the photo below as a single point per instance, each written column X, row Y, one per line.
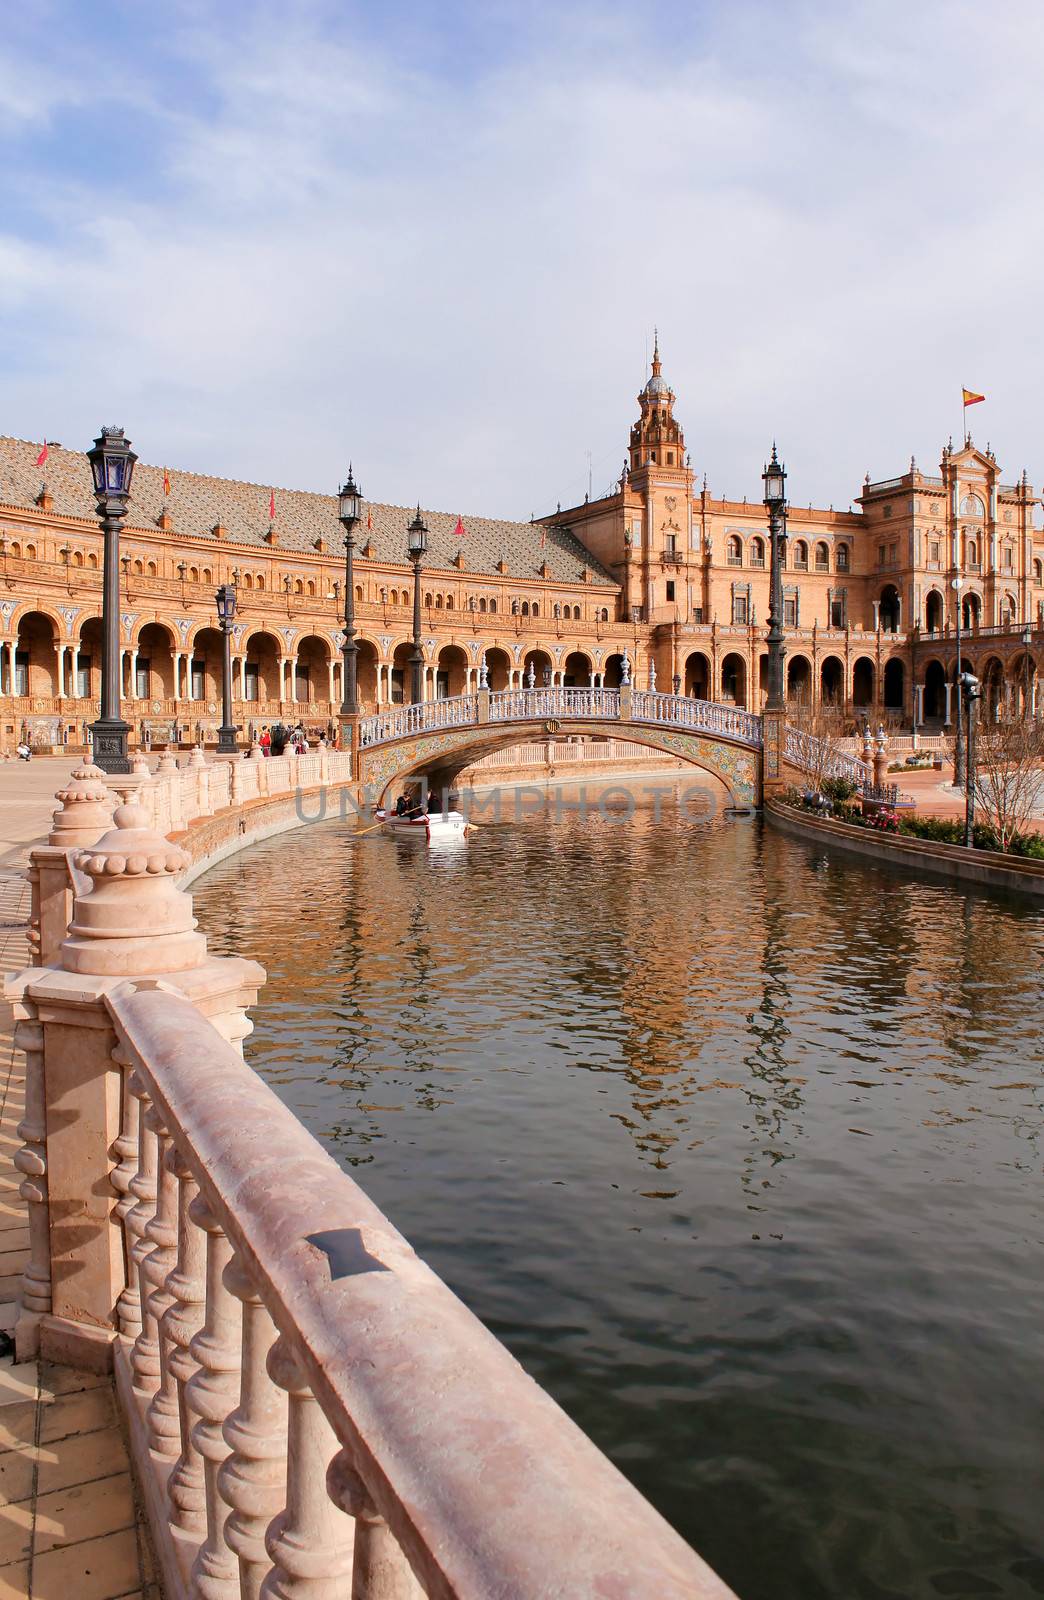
column 196, row 503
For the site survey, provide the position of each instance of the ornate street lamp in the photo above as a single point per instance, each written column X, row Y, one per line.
column 971, row 696
column 775, row 480
column 417, row 544
column 112, row 465
column 1027, row 641
column 349, row 510
column 226, row 610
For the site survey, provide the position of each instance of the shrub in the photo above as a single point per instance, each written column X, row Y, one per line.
column 838, row 790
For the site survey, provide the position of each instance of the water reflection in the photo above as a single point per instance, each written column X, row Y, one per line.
column 734, row 1143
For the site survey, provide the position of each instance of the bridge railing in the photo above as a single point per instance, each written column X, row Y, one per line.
column 812, row 754
column 527, row 705
column 400, row 722
column 703, row 716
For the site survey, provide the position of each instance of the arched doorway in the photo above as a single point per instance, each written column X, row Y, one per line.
column 894, row 685
column 697, row 675
column 36, row 658
column 402, row 674
column 734, row 680
column 832, row 683
column 87, row 665
column 542, row 668
column 863, row 683
column 992, row 688
column 365, row 676
column 1021, row 679
column 614, row 672
column 934, row 705
column 933, row 611
column 153, row 665
column 889, row 609
column 205, row 660
column 311, row 670
column 261, row 671
column 577, row 670
column 971, row 612
column 498, row 668
column 799, row 681
column 451, row 672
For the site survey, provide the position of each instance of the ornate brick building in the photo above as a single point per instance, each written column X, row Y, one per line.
column 661, row 570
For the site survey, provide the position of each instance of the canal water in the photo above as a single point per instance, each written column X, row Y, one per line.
column 735, row 1144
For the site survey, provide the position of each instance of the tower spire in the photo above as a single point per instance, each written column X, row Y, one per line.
column 656, row 353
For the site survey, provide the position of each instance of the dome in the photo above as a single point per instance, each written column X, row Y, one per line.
column 657, row 385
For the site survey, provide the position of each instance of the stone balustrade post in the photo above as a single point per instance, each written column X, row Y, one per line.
column 310, row 1542
column 625, row 702
column 252, row 1480
column 773, row 737
column 211, row 1395
column 880, row 759
column 380, row 1570
column 182, row 1321
column 161, row 1233
column 482, row 713
column 129, row 922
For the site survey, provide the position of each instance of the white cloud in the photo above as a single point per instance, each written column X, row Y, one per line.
column 830, row 212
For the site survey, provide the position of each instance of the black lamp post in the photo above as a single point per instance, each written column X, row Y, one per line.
column 417, row 537
column 112, row 465
column 1027, row 642
column 971, row 696
column 226, row 610
column 775, row 479
column 349, row 507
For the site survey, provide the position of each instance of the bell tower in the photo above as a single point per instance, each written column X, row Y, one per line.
column 656, row 438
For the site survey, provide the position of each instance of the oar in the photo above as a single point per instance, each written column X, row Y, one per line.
column 377, row 826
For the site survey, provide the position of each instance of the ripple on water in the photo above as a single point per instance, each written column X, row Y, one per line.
column 735, row 1146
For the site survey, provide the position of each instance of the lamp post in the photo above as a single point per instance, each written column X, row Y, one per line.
column 417, row 543
column 349, row 508
column 960, row 765
column 1027, row 641
column 775, row 480
column 972, row 695
column 112, row 466
column 226, row 610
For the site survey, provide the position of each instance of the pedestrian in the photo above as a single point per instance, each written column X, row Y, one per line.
column 266, row 741
column 24, row 751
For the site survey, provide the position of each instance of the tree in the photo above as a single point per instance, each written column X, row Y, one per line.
column 815, row 744
column 1009, row 774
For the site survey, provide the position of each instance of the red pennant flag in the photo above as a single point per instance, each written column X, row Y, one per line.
column 543, row 538
column 42, row 457
column 460, row 529
column 369, row 519
column 271, row 506
column 166, row 481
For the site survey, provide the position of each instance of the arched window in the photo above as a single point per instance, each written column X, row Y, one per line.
column 439, row 602
column 822, row 558
column 972, row 506
column 248, row 580
column 208, row 576
column 311, row 587
column 30, row 552
column 734, row 550
column 427, row 599
column 492, row 605
column 1038, row 571
column 298, row 586
column 152, row 569
column 358, row 593
column 800, row 556
column 842, row 558
column 139, row 569
column 557, row 609
column 482, row 604
column 536, row 609
column 449, row 602
column 92, row 561
column 757, row 552
column 605, row 614
column 193, row 574
column 576, row 613
column 972, row 550
column 77, row 558
column 525, row 608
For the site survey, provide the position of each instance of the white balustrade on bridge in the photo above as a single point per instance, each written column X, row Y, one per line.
column 557, row 702
column 702, row 716
column 809, row 753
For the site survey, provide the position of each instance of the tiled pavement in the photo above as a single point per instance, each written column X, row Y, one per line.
column 70, row 1528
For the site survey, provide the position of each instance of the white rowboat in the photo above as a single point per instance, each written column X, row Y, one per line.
column 440, row 825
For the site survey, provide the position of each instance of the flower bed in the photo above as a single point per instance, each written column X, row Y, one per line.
column 831, row 802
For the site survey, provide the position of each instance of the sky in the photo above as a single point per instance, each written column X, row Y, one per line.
column 434, row 238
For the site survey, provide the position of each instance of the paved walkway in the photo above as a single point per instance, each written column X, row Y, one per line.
column 70, row 1528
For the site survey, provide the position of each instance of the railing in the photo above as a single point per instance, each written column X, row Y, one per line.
column 402, row 721
column 885, row 794
column 510, row 705
column 704, row 716
column 316, row 1412
column 811, row 754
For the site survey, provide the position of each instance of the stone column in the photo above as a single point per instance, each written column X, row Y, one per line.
column 177, row 676
column 330, row 676
column 948, row 689
column 60, row 650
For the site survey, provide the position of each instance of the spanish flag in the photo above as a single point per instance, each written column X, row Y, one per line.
column 971, row 398
column 42, row 457
column 166, row 483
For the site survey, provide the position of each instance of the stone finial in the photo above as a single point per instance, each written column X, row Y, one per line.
column 86, row 809
column 133, row 920
column 168, row 762
column 197, row 758
column 140, row 763
column 255, row 753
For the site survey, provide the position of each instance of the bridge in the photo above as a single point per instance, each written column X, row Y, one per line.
column 439, row 738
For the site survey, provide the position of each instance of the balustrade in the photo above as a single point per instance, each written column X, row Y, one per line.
column 704, row 716
column 806, row 752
